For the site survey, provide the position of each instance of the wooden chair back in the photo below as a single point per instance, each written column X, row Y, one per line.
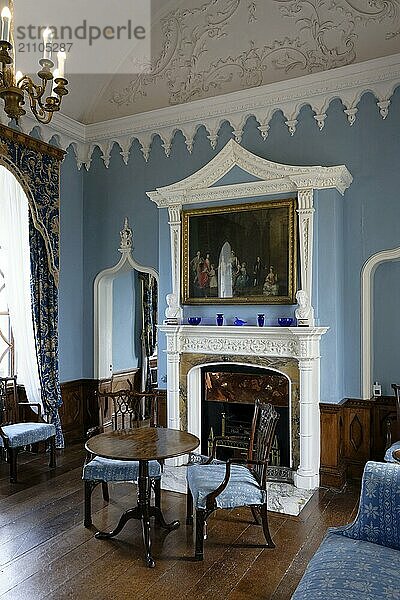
column 263, row 427
column 8, row 400
column 127, row 409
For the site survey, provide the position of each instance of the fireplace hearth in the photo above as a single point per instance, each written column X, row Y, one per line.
column 228, row 395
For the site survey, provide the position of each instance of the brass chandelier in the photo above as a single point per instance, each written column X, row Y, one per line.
column 45, row 97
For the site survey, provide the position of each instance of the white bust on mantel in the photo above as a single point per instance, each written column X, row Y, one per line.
column 173, row 312
column 305, row 312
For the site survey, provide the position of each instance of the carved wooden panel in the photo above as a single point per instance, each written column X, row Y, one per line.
column 332, row 469
column 357, row 441
column 384, row 409
column 77, row 412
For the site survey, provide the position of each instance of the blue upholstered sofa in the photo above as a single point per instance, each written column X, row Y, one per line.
column 361, row 560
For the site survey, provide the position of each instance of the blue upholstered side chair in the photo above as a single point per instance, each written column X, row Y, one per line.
column 15, row 434
column 394, row 429
column 123, row 409
column 237, row 482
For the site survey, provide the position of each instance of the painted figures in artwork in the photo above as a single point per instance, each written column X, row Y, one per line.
column 229, row 277
column 271, row 287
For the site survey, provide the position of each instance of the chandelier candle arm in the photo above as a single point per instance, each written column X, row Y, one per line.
column 44, row 99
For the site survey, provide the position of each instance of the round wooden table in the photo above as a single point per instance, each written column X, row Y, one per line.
column 142, row 444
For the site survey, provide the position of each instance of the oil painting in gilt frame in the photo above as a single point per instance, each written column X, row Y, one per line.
column 244, row 253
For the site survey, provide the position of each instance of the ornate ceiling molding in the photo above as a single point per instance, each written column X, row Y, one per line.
column 379, row 77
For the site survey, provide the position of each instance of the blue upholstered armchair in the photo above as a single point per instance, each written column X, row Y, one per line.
column 128, row 409
column 392, row 446
column 238, row 482
column 361, row 560
column 15, row 434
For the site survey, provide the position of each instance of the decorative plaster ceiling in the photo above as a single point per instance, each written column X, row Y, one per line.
column 205, row 48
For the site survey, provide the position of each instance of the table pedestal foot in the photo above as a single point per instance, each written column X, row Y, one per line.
column 143, row 512
column 132, row 513
column 159, row 517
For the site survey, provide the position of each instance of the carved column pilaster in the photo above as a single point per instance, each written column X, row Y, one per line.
column 174, row 214
column 305, row 213
column 307, row 475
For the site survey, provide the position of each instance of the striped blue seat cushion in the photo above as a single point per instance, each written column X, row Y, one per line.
column 107, row 469
column 242, row 489
column 23, row 434
column 389, row 452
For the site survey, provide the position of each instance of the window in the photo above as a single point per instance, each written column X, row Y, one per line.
column 6, row 337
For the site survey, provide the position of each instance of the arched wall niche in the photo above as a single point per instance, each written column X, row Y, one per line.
column 103, row 302
column 367, row 314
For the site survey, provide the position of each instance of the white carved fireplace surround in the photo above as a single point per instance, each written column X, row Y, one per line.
column 270, row 178
column 303, row 344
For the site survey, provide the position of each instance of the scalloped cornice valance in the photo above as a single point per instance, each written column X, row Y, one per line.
column 380, row 77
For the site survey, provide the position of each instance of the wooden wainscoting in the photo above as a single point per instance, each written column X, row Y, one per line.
column 79, row 410
column 333, row 469
column 352, row 433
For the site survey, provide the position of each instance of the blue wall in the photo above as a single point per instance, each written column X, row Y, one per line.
column 348, row 230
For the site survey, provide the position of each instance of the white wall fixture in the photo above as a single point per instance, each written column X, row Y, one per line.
column 367, row 290
column 103, row 302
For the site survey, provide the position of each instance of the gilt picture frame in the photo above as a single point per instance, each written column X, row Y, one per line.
column 240, row 254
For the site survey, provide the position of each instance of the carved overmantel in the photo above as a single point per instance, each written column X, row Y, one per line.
column 299, row 343
column 272, row 178
column 235, row 344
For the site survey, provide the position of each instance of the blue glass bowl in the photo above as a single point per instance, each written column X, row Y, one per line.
column 285, row 321
column 194, row 320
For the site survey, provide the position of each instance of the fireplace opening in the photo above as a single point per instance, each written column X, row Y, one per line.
column 228, row 396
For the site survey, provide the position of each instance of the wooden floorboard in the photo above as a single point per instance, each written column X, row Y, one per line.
column 45, row 552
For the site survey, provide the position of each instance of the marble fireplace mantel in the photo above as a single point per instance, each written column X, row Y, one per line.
column 301, row 344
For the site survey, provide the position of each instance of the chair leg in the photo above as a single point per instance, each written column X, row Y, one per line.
column 157, row 492
column 256, row 515
column 264, row 518
column 189, row 507
column 52, row 463
column 200, row 522
column 12, row 457
column 89, row 487
column 104, row 489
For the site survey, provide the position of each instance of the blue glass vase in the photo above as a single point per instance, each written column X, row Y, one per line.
column 220, row 319
column 260, row 320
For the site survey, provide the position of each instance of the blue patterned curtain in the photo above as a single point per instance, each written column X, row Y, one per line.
column 149, row 311
column 37, row 167
column 45, row 317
